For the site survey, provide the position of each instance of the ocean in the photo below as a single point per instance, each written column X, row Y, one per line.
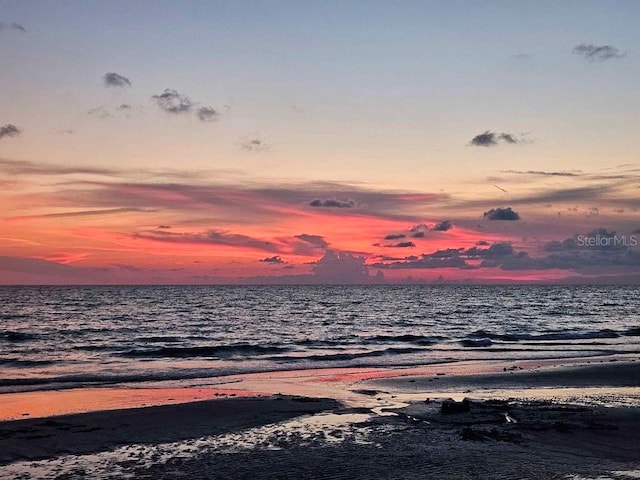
column 55, row 337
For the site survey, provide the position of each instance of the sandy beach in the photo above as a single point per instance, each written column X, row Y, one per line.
column 538, row 420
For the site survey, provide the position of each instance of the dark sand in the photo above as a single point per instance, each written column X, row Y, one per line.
column 388, row 431
column 96, row 431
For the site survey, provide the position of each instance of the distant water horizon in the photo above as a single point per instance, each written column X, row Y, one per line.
column 55, row 337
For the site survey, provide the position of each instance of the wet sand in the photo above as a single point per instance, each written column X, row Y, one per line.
column 92, row 432
column 537, row 420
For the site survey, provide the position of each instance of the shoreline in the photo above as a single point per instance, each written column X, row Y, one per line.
column 341, row 415
column 339, row 383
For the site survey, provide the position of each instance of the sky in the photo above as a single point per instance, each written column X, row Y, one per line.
column 319, row 142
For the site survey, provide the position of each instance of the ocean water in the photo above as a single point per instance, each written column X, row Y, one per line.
column 62, row 337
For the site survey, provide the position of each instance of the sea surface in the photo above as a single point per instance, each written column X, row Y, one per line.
column 63, row 337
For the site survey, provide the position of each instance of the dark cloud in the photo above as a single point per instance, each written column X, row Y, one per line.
column 164, row 226
column 12, row 26
column 207, row 114
column 502, row 214
column 113, row 79
column 456, row 257
column 599, row 248
column 425, row 261
column 315, row 240
column 486, row 139
column 395, row 236
column 597, row 52
column 401, row 245
column 498, row 249
column 418, row 231
column 124, row 106
column 442, row 226
column 276, row 260
column 171, row 101
column 389, row 258
column 331, row 203
column 578, row 260
column 9, row 130
column 491, row 139
column 253, row 144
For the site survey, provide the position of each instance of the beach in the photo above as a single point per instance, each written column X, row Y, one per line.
column 529, row 419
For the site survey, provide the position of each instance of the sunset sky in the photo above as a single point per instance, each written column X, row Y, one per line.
column 319, row 142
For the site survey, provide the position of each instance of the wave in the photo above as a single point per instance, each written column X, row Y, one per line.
column 95, row 348
column 406, row 338
column 12, row 316
column 16, row 362
column 159, row 339
column 476, row 342
column 333, row 357
column 13, row 336
column 632, row 332
column 308, row 342
column 569, row 335
column 220, row 351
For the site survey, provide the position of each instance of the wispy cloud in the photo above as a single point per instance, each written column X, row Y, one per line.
column 37, row 266
column 543, row 173
column 82, row 213
column 113, row 79
column 254, row 143
column 522, row 57
column 99, row 112
column 212, row 237
column 12, row 26
column 21, row 167
column 597, row 52
column 315, row 240
column 9, row 130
